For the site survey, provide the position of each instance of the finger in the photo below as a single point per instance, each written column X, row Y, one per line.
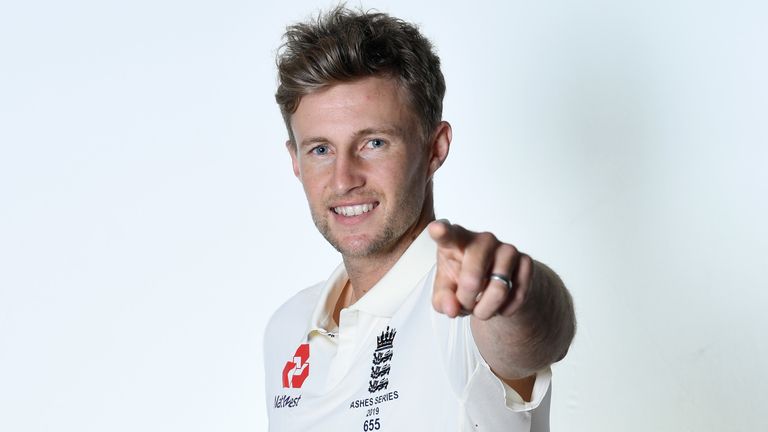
column 475, row 266
column 496, row 293
column 450, row 252
column 444, row 292
column 522, row 277
column 448, row 235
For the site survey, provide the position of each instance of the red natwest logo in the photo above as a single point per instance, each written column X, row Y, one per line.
column 296, row 371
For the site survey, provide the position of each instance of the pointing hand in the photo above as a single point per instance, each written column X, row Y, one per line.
column 473, row 270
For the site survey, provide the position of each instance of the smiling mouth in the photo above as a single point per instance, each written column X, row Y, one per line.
column 354, row 210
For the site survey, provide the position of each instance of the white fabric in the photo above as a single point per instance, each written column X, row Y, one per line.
column 431, row 378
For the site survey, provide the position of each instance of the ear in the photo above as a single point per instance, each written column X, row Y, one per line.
column 291, row 147
column 439, row 147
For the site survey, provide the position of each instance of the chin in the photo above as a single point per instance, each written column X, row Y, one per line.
column 363, row 245
column 353, row 247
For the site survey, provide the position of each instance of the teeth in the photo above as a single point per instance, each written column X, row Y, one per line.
column 354, row 210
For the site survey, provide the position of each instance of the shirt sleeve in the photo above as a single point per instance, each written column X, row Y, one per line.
column 470, row 374
column 486, row 398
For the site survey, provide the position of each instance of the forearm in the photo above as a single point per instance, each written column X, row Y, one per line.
column 537, row 335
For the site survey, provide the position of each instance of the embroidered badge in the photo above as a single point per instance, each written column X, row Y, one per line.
column 296, row 371
column 381, row 359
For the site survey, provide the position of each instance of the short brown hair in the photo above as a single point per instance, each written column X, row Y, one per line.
column 345, row 45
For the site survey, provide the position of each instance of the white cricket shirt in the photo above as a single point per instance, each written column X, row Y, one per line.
column 392, row 364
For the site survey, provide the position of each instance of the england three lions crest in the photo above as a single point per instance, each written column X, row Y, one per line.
column 381, row 359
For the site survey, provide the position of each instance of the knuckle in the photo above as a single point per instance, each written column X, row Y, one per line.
column 508, row 249
column 470, row 282
column 487, row 238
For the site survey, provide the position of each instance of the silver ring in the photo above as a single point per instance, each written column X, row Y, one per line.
column 501, row 278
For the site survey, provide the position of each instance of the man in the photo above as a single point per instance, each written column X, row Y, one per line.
column 426, row 325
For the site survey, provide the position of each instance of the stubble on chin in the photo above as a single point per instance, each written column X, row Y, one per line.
column 357, row 248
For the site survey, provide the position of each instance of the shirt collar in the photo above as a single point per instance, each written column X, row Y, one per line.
column 384, row 298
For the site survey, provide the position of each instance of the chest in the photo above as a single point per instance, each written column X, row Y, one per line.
column 375, row 374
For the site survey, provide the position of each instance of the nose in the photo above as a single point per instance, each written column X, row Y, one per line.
column 348, row 174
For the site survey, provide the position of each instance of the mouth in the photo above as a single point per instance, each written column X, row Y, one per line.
column 355, row 209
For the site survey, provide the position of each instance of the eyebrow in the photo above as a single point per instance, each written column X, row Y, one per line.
column 386, row 131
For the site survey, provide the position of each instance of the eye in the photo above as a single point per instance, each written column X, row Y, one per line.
column 375, row 143
column 320, row 150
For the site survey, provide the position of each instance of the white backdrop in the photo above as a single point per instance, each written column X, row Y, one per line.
column 150, row 222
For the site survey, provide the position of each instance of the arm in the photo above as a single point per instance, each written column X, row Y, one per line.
column 535, row 336
column 517, row 331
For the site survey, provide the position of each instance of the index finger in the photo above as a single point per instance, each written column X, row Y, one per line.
column 447, row 235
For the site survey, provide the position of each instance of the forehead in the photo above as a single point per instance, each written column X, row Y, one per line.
column 342, row 109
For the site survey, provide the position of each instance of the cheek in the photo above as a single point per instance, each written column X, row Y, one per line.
column 311, row 179
column 408, row 178
column 417, row 170
column 312, row 189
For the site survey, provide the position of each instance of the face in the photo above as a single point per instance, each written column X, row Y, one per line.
column 364, row 166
